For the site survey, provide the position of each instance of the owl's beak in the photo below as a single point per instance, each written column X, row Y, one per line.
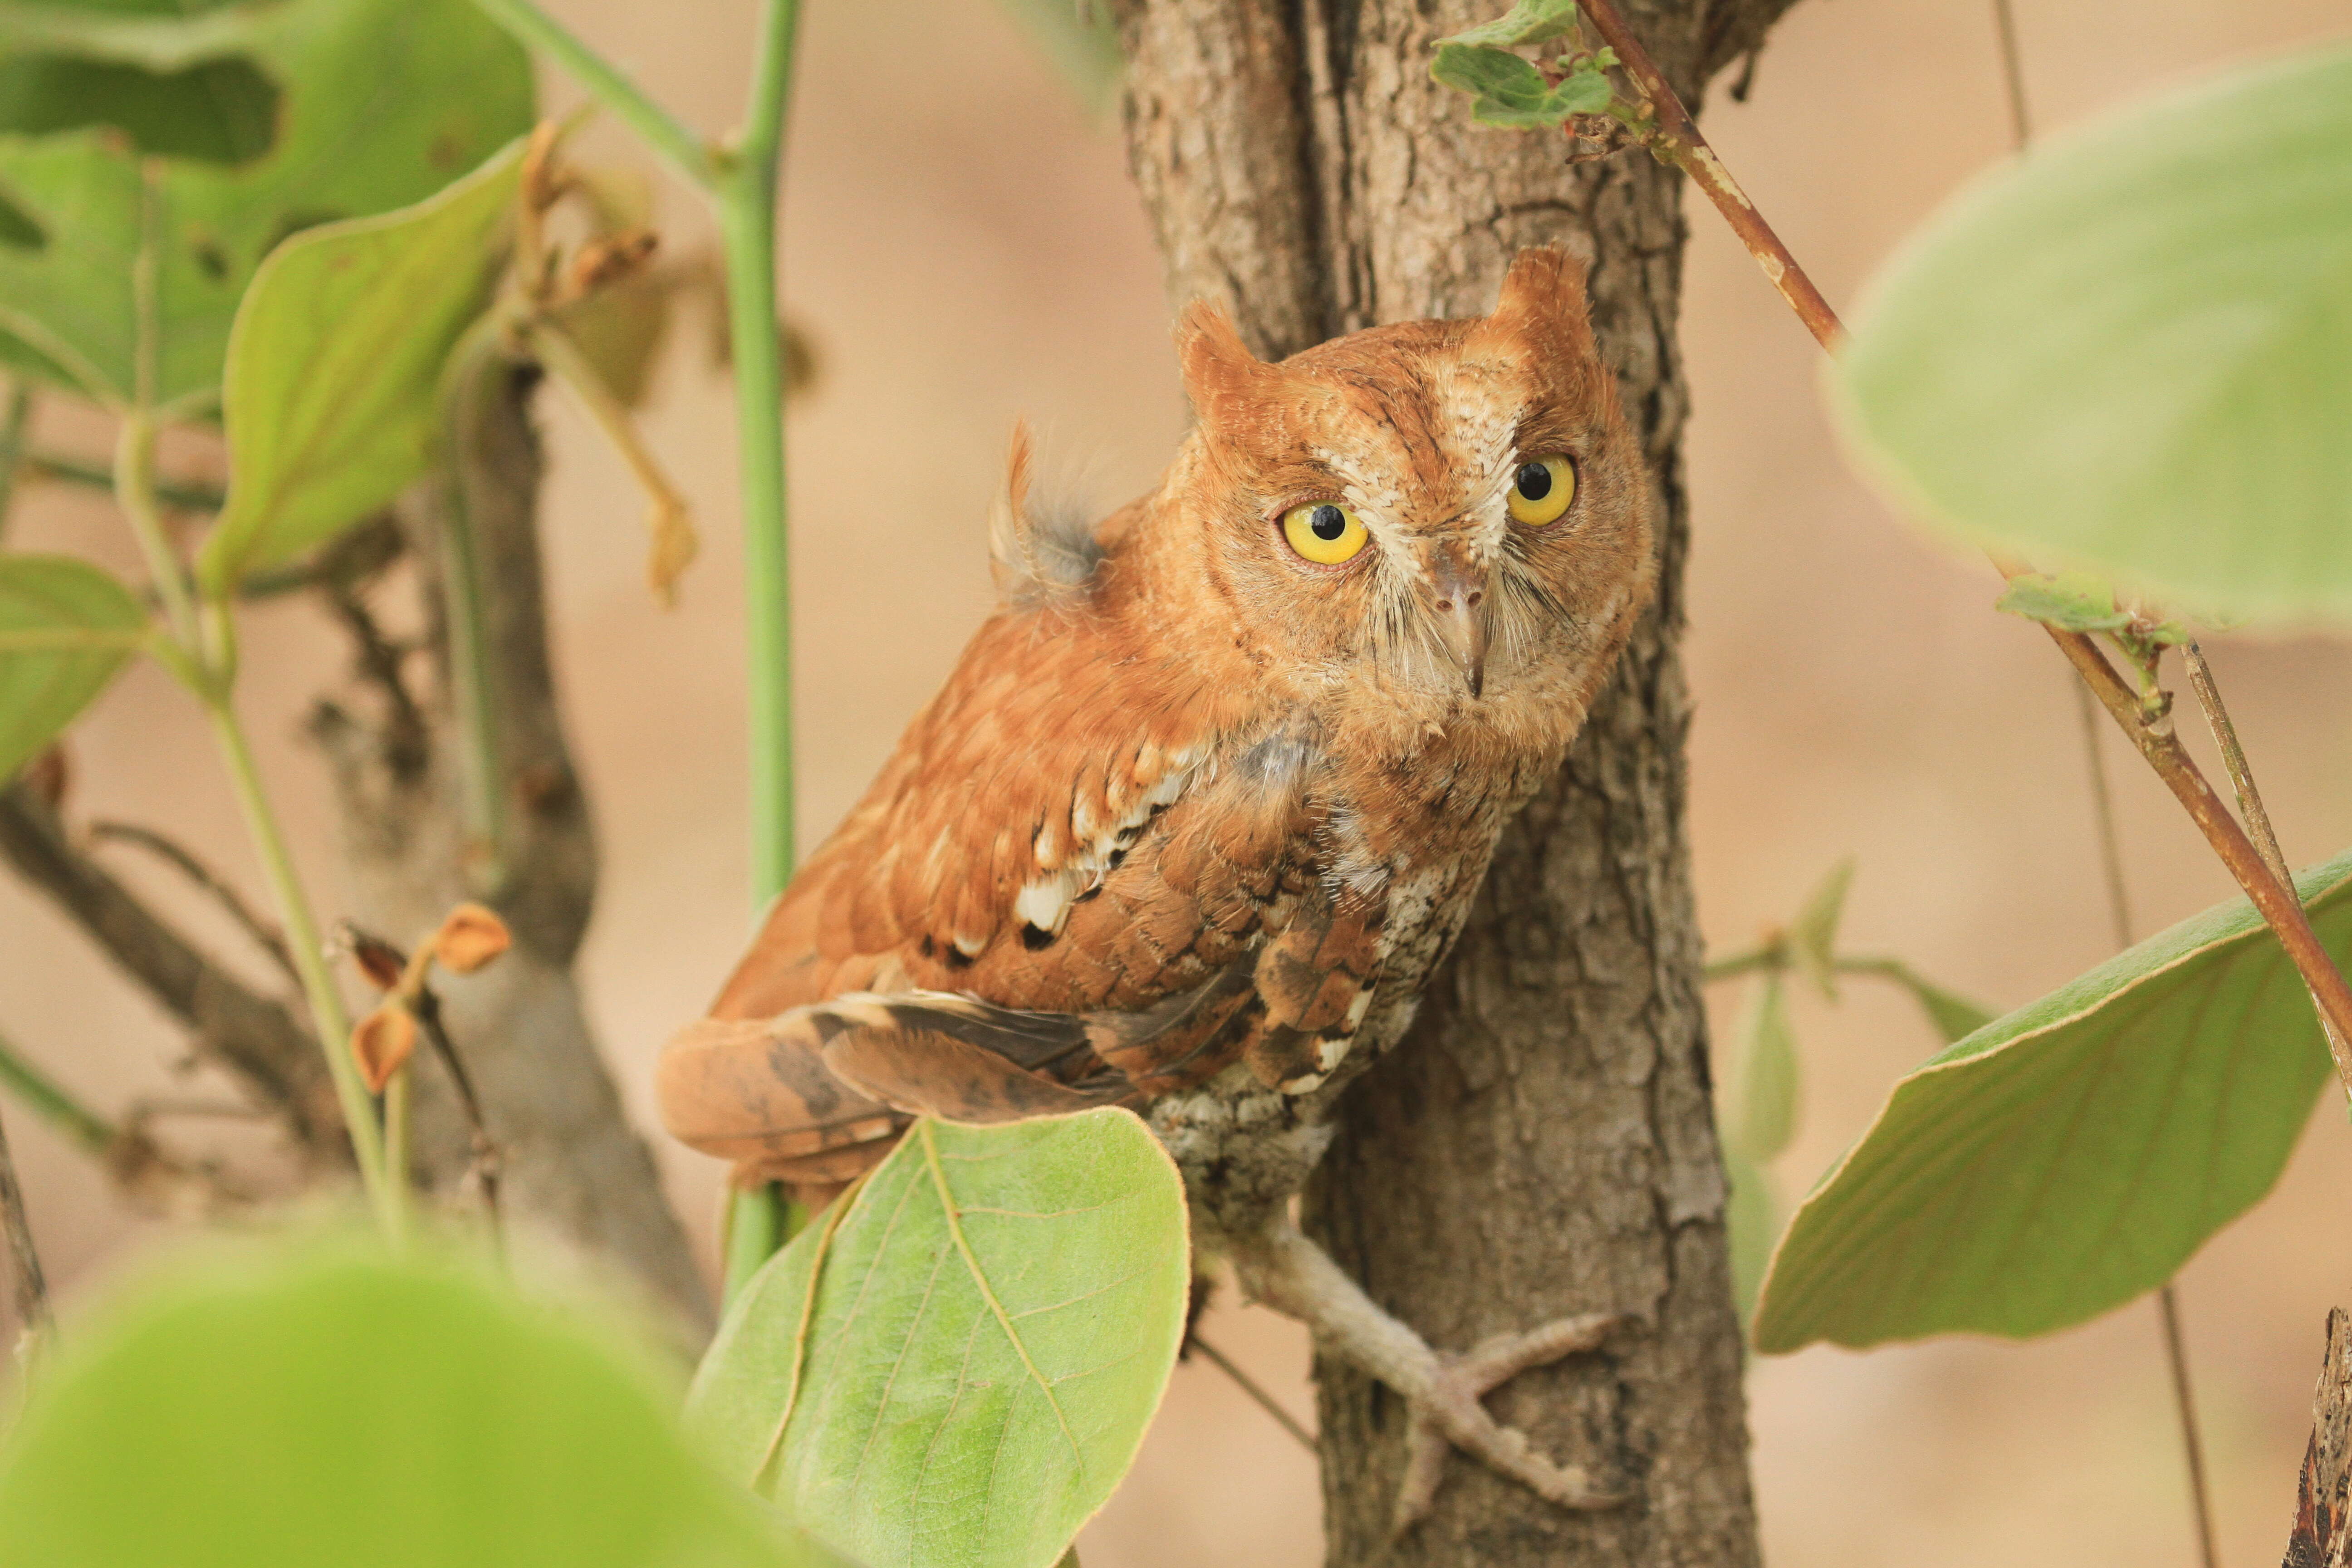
column 1460, row 601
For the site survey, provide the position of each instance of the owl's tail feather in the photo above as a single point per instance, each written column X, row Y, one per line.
column 820, row 1093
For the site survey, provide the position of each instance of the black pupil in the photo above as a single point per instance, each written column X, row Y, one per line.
column 1328, row 522
column 1535, row 480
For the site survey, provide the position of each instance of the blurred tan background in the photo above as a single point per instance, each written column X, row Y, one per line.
column 962, row 247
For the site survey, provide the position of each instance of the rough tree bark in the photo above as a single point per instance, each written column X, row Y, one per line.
column 1543, row 1141
column 571, row 1163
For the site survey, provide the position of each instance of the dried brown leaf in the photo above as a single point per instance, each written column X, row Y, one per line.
column 382, row 1043
column 470, row 938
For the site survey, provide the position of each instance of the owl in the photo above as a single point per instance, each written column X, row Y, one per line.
column 1205, row 801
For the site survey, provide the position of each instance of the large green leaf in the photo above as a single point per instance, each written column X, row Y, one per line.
column 381, row 102
column 289, row 1411
column 959, row 1369
column 2127, row 351
column 334, row 368
column 65, row 628
column 2064, row 1159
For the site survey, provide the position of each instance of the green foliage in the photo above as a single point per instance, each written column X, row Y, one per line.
column 1752, row 1219
column 1757, row 1112
column 332, row 400
column 1529, row 22
column 2127, row 351
column 1812, row 935
column 221, row 111
column 1507, row 90
column 1082, row 41
column 65, row 628
column 379, row 103
column 1767, row 1074
column 958, row 1368
column 1955, row 1016
column 2062, row 1160
column 284, row 1409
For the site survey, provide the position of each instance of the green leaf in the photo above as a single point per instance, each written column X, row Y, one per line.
column 990, row 1325
column 2127, row 350
column 381, row 103
column 266, row 1409
column 1081, row 41
column 218, row 111
column 334, row 368
column 1812, row 936
column 1529, row 22
column 65, row 628
column 2070, row 1157
column 1508, row 92
column 1767, row 1076
column 1955, row 1016
column 2071, row 601
column 1749, row 1221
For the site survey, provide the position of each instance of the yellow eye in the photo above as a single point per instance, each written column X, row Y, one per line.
column 1324, row 531
column 1541, row 490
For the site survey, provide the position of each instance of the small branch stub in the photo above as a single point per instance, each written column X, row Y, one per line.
column 2322, row 1536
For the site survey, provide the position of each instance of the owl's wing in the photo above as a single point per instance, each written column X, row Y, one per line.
column 1058, row 893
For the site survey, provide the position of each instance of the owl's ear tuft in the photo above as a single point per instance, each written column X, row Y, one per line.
column 1036, row 553
column 1543, row 296
column 1218, row 366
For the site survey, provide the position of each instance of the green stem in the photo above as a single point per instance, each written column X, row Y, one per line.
column 134, row 492
column 751, row 289
column 662, row 130
column 327, row 1015
column 741, row 182
column 396, row 1157
column 747, row 223
column 43, row 464
column 50, row 1099
column 482, row 796
column 1774, row 957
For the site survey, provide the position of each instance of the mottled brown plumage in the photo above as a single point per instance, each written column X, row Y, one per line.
column 1195, row 814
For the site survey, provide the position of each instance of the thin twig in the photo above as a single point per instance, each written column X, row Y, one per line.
column 2102, row 813
column 30, row 1289
column 2270, row 893
column 54, row 1104
column 255, row 1037
column 688, row 152
column 383, row 960
column 667, row 516
column 1678, row 140
column 2167, row 1299
column 485, row 1163
column 264, row 933
column 178, row 494
column 2249, row 800
column 2176, row 1355
column 1677, row 137
column 2012, row 68
column 1249, row 1385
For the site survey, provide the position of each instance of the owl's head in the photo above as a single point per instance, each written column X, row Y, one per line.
column 1450, row 512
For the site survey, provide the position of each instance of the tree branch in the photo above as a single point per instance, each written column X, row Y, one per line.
column 30, row 1289
column 255, row 1038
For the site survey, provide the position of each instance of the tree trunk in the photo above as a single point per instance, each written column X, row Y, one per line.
column 1543, row 1141
column 572, row 1164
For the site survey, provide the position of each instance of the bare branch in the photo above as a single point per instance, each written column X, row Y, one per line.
column 30, row 1289
column 254, row 1038
column 264, row 933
